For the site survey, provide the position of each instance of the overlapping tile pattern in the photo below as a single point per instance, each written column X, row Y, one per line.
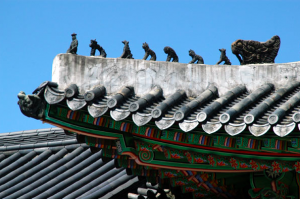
column 47, row 163
column 264, row 110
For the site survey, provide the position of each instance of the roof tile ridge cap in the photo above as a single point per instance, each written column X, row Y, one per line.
column 248, row 100
column 184, row 110
column 281, row 111
column 17, row 147
column 259, row 91
column 4, row 134
column 27, row 131
column 213, row 89
column 12, row 133
column 60, row 141
column 221, row 100
column 283, row 90
column 70, row 147
column 46, row 129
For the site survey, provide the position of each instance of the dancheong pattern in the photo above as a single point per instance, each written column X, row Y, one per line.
column 201, row 184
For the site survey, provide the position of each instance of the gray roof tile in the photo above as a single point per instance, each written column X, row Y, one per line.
column 47, row 163
column 228, row 111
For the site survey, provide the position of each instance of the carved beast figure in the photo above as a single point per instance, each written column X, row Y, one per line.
column 31, row 105
column 126, row 51
column 95, row 46
column 148, row 52
column 171, row 54
column 195, row 58
column 255, row 52
column 223, row 57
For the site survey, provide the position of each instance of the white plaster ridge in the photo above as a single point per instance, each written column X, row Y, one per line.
column 114, row 73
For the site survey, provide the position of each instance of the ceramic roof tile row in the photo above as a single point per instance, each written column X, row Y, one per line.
column 65, row 170
column 234, row 111
column 35, row 139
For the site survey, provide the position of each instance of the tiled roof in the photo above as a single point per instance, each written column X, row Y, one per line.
column 47, row 163
column 264, row 110
column 35, row 139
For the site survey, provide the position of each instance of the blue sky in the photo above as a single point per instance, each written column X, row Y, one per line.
column 34, row 32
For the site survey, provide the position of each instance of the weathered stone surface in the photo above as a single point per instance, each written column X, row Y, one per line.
column 114, row 73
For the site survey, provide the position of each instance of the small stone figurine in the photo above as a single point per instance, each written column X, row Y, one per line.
column 195, row 58
column 223, row 57
column 148, row 52
column 95, row 46
column 126, row 51
column 74, row 45
column 171, row 54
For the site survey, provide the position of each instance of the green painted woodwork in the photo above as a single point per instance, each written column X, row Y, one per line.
column 295, row 143
column 262, row 186
column 274, row 145
column 225, row 142
column 293, row 150
column 128, row 135
column 249, row 144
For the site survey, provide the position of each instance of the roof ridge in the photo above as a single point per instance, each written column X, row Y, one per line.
column 30, row 131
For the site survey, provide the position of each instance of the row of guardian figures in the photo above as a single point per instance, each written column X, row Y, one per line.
column 247, row 51
column 172, row 56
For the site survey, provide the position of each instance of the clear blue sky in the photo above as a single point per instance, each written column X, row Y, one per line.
column 34, row 32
